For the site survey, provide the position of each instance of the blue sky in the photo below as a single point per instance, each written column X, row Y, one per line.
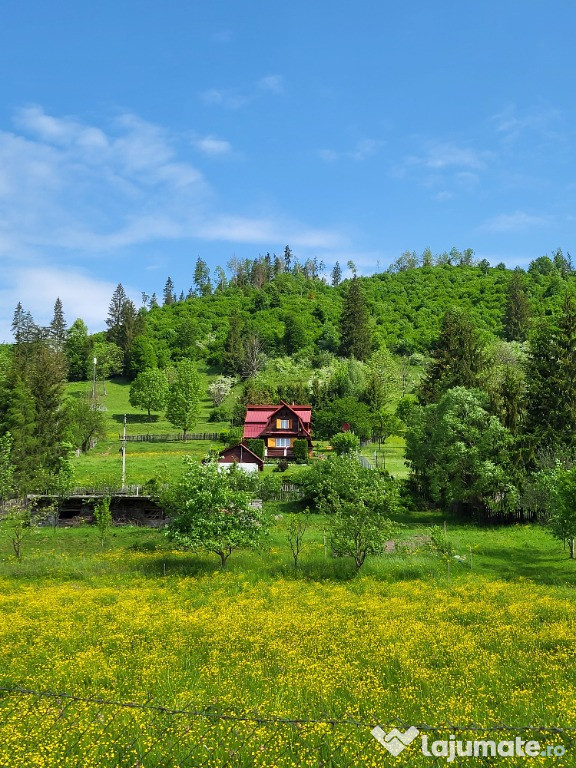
column 136, row 136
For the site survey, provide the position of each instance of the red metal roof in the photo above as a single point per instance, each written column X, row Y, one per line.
column 257, row 416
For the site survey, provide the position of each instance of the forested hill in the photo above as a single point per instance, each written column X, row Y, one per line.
column 292, row 314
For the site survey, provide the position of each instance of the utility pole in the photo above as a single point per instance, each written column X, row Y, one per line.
column 94, row 361
column 124, row 455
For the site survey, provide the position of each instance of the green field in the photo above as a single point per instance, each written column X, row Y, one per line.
column 144, row 461
column 415, row 639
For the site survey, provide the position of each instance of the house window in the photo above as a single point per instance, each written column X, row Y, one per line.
column 284, row 423
column 282, row 442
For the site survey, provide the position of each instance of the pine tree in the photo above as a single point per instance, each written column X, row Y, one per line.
column 115, row 318
column 168, row 292
column 457, row 359
column 58, row 327
column 517, row 314
column 24, row 328
column 355, row 332
column 551, row 382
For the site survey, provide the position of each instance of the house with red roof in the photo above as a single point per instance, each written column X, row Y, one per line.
column 279, row 426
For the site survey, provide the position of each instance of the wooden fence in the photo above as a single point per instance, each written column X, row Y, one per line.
column 174, row 438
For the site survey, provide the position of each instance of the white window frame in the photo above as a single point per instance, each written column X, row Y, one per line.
column 282, row 442
column 284, row 423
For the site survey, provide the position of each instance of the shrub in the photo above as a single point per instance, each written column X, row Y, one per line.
column 221, row 413
column 233, row 436
column 345, row 443
column 256, row 445
column 300, row 448
column 282, row 466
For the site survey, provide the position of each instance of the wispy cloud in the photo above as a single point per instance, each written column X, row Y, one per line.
column 511, row 123
column 210, row 145
column 80, row 195
column 241, row 96
column 519, row 221
column 363, row 149
column 251, row 230
column 447, row 155
column 272, row 83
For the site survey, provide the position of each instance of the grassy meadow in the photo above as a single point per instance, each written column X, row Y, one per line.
column 488, row 638
column 103, row 464
column 144, row 461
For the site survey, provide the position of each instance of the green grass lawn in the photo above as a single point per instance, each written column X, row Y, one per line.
column 103, row 464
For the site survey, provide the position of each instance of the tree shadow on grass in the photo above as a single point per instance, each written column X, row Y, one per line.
column 513, row 563
column 172, row 565
column 135, row 418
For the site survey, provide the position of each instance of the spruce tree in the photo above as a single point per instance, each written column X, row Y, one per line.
column 168, row 292
column 517, row 314
column 457, row 358
column 115, row 318
column 551, row 381
column 355, row 324
column 57, row 330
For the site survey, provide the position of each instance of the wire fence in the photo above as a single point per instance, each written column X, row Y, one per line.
column 54, row 729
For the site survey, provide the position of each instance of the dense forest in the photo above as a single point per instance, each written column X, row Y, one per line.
column 474, row 365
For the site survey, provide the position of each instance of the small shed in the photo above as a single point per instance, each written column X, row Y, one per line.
column 239, row 454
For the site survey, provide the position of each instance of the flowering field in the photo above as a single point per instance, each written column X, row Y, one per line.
column 472, row 650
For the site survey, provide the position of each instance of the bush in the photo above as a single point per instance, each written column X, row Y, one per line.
column 300, row 448
column 282, row 466
column 256, row 445
column 221, row 413
column 345, row 443
column 233, row 436
column 269, row 487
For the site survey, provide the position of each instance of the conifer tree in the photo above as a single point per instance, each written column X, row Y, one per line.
column 355, row 324
column 168, row 292
column 57, row 329
column 551, row 382
column 457, row 359
column 115, row 318
column 517, row 313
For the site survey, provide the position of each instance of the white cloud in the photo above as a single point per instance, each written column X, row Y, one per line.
column 210, row 145
column 61, row 191
column 273, row 83
column 444, row 154
column 242, row 96
column 363, row 149
column 518, row 221
column 253, row 230
column 511, row 123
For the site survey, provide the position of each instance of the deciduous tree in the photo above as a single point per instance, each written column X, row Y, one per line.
column 183, row 399
column 149, row 390
column 207, row 514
